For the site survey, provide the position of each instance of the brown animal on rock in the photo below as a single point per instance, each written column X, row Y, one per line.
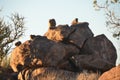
column 52, row 24
column 32, row 37
column 18, row 43
column 75, row 21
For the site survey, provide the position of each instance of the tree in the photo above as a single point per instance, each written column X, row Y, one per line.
column 9, row 32
column 112, row 13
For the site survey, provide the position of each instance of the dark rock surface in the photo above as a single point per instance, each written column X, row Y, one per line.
column 75, row 34
column 97, row 53
column 41, row 52
column 81, row 33
column 70, row 48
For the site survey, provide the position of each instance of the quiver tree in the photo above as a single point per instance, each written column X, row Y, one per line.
column 9, row 32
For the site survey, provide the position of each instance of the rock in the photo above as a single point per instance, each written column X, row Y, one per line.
column 64, row 51
column 75, row 34
column 41, row 52
column 102, row 46
column 98, row 53
column 81, row 34
column 19, row 54
column 69, row 65
column 112, row 74
column 60, row 33
column 7, row 74
column 50, row 34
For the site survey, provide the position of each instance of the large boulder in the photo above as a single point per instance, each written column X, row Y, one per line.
column 76, row 34
column 98, row 53
column 112, row 74
column 81, row 33
column 60, row 33
column 41, row 52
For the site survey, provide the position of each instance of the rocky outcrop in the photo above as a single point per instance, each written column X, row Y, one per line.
column 112, row 74
column 41, row 52
column 98, row 53
column 70, row 49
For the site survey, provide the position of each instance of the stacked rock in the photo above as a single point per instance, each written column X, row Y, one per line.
column 70, row 48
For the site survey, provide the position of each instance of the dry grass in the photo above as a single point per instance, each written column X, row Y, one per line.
column 56, row 74
column 85, row 75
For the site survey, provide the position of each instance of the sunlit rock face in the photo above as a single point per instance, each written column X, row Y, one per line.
column 112, row 74
column 41, row 52
column 75, row 34
column 19, row 54
column 60, row 33
column 97, row 53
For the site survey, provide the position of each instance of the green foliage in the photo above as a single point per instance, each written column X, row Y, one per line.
column 9, row 32
column 112, row 14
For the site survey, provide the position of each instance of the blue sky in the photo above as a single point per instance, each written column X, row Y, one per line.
column 38, row 12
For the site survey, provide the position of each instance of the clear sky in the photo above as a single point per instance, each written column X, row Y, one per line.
column 38, row 12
